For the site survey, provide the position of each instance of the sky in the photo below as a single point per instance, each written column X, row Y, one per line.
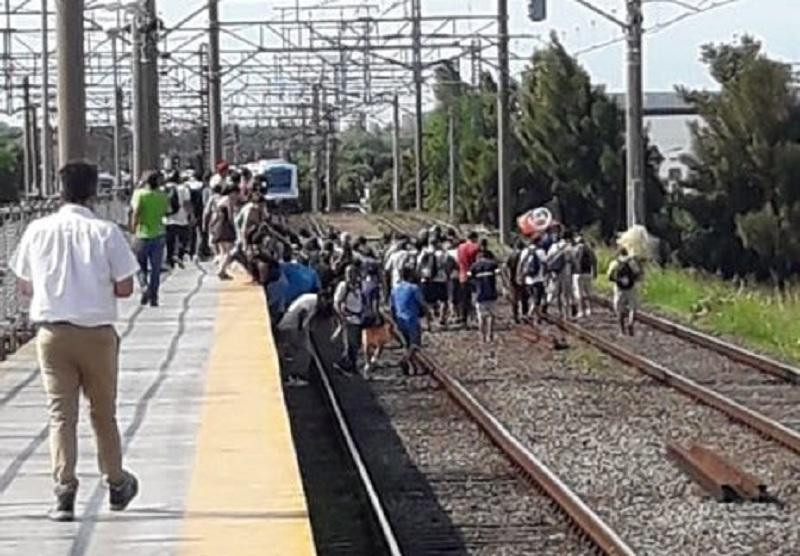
column 671, row 55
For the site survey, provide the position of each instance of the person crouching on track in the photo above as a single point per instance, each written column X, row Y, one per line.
column 408, row 306
column 377, row 330
column 625, row 272
column 348, row 302
column 483, row 275
column 294, row 339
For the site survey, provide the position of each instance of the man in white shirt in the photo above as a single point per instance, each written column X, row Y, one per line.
column 74, row 265
column 179, row 221
column 294, row 334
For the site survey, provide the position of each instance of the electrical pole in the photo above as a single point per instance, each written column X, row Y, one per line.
column 71, row 82
column 417, row 63
column 315, row 149
column 45, row 186
column 137, row 123
column 503, row 125
column 152, row 150
column 396, row 161
column 28, row 175
column 451, row 143
column 117, row 109
column 214, row 85
column 634, row 118
column 329, row 165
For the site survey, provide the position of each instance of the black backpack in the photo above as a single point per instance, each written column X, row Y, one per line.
column 558, row 262
column 585, row 260
column 533, row 266
column 625, row 276
column 428, row 266
column 174, row 200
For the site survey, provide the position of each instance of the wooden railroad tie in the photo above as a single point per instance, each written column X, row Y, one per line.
column 718, row 475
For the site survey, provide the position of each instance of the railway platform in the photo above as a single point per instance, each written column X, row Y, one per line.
column 204, row 427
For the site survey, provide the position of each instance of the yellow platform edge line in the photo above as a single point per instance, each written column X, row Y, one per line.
column 246, row 494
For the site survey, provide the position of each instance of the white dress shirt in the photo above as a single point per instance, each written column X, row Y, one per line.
column 73, row 258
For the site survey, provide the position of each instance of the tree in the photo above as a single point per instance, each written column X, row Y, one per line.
column 742, row 197
column 10, row 163
column 573, row 137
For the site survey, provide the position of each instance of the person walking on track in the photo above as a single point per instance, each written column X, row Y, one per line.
column 583, row 274
column 483, row 274
column 348, row 301
column 625, row 272
column 150, row 206
column 466, row 254
column 74, row 265
column 408, row 307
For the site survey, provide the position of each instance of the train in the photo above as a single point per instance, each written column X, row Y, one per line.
column 280, row 179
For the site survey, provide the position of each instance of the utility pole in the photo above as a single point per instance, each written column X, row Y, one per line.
column 416, row 32
column 28, row 175
column 634, row 118
column 117, row 109
column 45, row 186
column 7, row 68
column 204, row 105
column 453, row 166
column 152, row 150
column 315, row 149
column 137, row 118
column 330, row 171
column 396, row 161
column 503, row 124
column 214, row 85
column 71, row 82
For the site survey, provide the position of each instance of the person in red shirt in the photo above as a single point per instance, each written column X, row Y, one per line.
column 466, row 254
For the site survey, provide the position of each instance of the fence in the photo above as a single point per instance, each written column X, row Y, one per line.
column 15, row 328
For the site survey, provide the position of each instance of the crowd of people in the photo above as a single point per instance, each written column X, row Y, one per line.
column 179, row 216
column 413, row 283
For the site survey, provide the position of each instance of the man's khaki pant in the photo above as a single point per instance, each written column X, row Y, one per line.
column 72, row 359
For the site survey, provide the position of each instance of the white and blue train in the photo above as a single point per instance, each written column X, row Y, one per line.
column 280, row 182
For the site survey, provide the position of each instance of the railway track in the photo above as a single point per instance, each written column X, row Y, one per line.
column 597, row 532
column 608, row 431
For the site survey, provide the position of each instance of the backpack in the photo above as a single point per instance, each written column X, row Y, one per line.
column 558, row 262
column 174, row 200
column 428, row 266
column 197, row 200
column 585, row 260
column 625, row 276
column 409, row 261
column 533, row 265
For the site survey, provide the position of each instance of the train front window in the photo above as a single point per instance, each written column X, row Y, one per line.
column 279, row 178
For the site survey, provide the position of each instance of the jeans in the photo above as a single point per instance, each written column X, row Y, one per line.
column 178, row 242
column 150, row 254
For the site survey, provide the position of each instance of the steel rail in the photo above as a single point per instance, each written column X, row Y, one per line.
column 375, row 503
column 757, row 421
column 592, row 525
column 729, row 350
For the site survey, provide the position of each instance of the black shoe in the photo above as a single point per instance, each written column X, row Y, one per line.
column 154, row 302
column 145, row 298
column 121, row 495
column 64, row 510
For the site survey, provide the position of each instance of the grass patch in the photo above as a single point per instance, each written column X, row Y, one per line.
column 756, row 317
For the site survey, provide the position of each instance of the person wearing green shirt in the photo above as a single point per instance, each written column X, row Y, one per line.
column 150, row 205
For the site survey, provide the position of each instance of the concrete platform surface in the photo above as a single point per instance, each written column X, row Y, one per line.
column 204, row 428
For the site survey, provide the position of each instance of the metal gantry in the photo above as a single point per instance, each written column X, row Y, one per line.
column 307, row 70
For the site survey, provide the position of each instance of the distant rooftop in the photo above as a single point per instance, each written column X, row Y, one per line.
column 666, row 103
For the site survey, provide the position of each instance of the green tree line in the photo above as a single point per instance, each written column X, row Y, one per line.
column 737, row 213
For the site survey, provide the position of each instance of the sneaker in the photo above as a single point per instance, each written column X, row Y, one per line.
column 64, row 510
column 145, row 299
column 224, row 276
column 121, row 495
column 154, row 302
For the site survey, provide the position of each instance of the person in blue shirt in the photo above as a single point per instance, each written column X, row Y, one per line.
column 301, row 278
column 408, row 307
